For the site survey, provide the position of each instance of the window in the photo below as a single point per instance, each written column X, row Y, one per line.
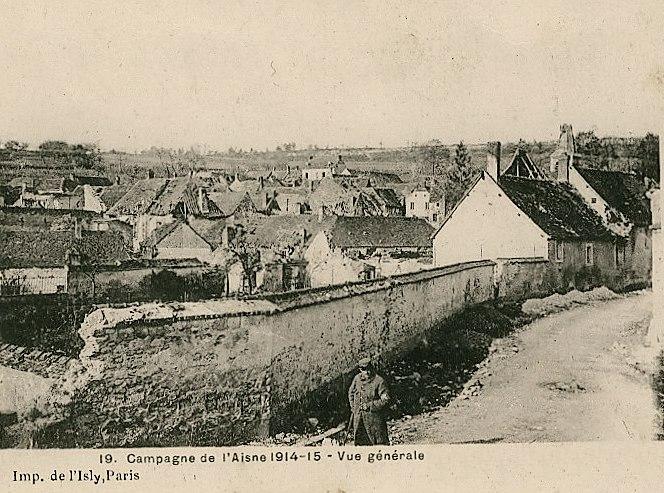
column 560, row 252
column 589, row 254
column 412, row 206
column 306, row 175
column 323, row 174
column 434, row 217
column 593, row 200
column 426, row 205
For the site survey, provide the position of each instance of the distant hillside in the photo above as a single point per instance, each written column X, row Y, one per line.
column 625, row 154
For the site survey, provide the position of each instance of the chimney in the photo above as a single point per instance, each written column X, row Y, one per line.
column 562, row 158
column 78, row 234
column 563, row 164
column 493, row 160
column 200, row 200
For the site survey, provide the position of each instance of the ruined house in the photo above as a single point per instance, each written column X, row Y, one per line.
column 154, row 202
column 353, row 248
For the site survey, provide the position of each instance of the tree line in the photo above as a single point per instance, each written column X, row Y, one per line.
column 80, row 155
column 640, row 154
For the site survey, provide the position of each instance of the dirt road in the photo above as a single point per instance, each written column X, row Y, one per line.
column 572, row 376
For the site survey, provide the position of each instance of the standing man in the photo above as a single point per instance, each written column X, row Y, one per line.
column 369, row 398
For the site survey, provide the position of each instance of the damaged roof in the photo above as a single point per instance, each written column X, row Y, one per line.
column 376, row 231
column 160, row 197
column 139, row 197
column 283, row 231
column 622, row 191
column 523, row 165
column 389, row 196
column 556, row 208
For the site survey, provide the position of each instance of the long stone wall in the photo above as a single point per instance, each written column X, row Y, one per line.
column 222, row 372
column 518, row 278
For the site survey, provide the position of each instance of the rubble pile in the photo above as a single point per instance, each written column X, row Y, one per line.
column 559, row 302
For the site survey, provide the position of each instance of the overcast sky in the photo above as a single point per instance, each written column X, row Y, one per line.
column 257, row 74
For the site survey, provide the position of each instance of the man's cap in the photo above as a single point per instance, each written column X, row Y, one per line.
column 364, row 363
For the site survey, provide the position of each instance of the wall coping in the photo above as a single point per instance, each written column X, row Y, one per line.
column 523, row 260
column 267, row 304
column 140, row 264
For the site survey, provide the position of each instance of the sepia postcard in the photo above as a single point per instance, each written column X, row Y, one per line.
column 331, row 246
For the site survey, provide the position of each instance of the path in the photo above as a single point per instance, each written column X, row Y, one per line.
column 572, row 376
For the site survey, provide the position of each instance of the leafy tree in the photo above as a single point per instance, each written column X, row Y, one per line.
column 247, row 253
column 86, row 156
column 164, row 285
column 648, row 152
column 54, row 145
column 522, row 144
column 458, row 174
column 588, row 143
column 15, row 145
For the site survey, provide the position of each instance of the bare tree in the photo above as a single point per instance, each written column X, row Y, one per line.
column 247, row 254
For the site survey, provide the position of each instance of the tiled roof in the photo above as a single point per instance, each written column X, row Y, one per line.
column 622, row 191
column 390, row 197
column 283, row 231
column 38, row 218
column 160, row 197
column 177, row 233
column 381, row 178
column 111, row 195
column 556, row 208
column 93, row 181
column 101, row 247
column 228, row 202
column 210, row 229
column 40, row 248
column 386, row 232
column 250, row 186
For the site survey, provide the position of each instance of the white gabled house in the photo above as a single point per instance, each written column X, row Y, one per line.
column 508, row 216
column 486, row 224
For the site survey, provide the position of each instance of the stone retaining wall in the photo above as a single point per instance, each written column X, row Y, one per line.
column 221, row 372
